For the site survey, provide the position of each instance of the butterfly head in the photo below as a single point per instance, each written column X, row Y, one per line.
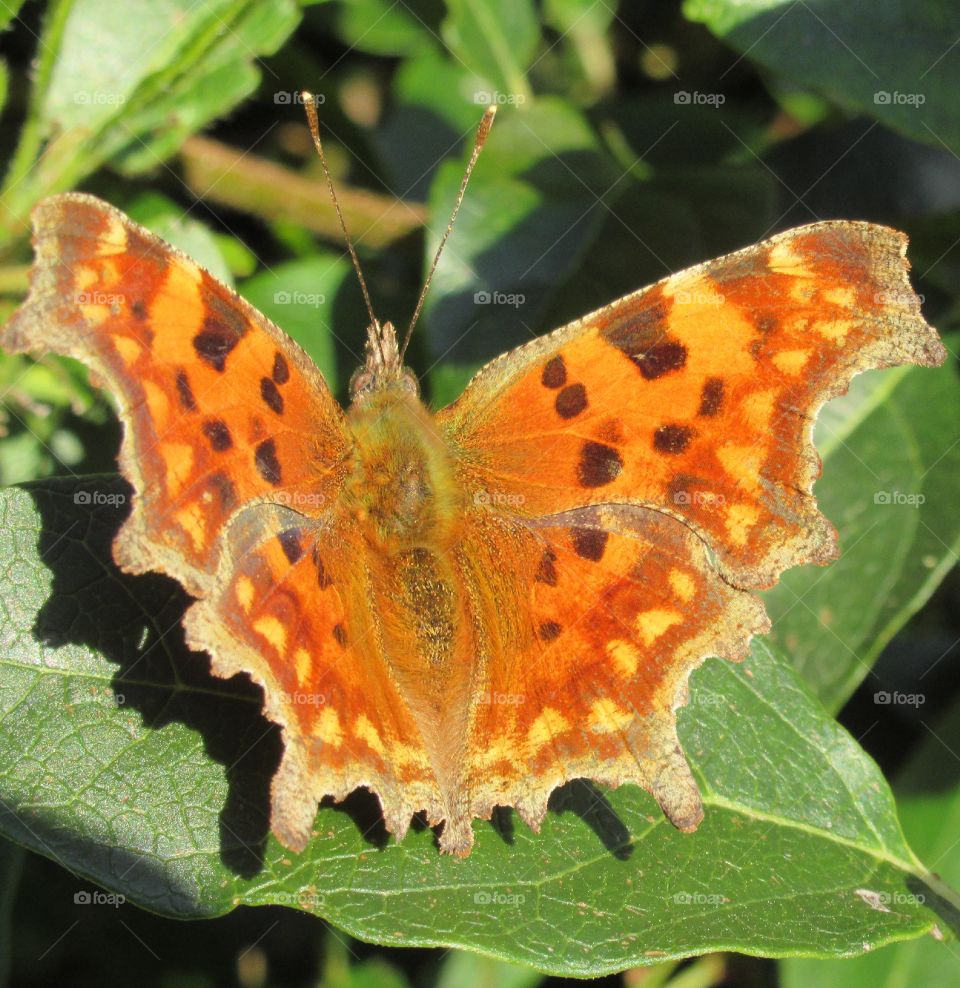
column 383, row 366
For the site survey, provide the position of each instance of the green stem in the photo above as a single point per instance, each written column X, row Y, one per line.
column 32, row 135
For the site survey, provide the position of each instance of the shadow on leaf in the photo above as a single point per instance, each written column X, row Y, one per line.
column 135, row 622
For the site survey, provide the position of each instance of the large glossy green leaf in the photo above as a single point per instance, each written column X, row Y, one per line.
column 535, row 203
column 891, row 460
column 300, row 296
column 928, row 795
column 130, row 89
column 495, row 39
column 122, row 758
column 385, row 28
column 893, row 61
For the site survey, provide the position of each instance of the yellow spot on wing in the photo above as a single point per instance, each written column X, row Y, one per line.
column 328, row 727
column 499, row 750
column 682, row 584
column 783, row 258
column 407, row 755
column 304, row 663
column 271, row 629
column 84, row 277
column 606, row 717
column 841, row 295
column 244, row 591
column 791, row 361
column 758, row 408
column 128, row 348
column 835, row 329
column 652, row 624
column 624, row 656
column 546, row 727
column 115, row 235
column 193, row 521
column 159, row 406
column 740, row 519
column 742, row 463
column 365, row 731
column 177, row 462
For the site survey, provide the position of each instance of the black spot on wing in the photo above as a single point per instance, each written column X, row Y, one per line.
column 711, row 397
column 226, row 492
column 571, row 401
column 267, row 464
column 289, row 540
column 323, row 578
column 547, row 569
column 281, row 370
column 598, row 465
column 218, row 435
column 589, row 543
column 554, row 373
column 184, row 392
column 271, row 396
column 672, row 439
column 548, row 631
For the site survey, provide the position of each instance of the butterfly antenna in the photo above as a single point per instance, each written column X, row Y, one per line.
column 483, row 132
column 310, row 104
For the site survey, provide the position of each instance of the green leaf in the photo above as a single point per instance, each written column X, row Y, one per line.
column 535, row 203
column 434, row 109
column 130, row 89
column 885, row 59
column 382, row 27
column 121, row 757
column 460, row 968
column 582, row 30
column 889, row 486
column 495, row 39
column 928, row 795
column 9, row 11
column 300, row 297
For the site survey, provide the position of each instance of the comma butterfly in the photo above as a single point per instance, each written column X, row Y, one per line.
column 511, row 592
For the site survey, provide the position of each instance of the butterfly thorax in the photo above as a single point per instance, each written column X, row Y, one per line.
column 401, row 485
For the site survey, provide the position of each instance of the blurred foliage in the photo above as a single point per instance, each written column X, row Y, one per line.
column 632, row 140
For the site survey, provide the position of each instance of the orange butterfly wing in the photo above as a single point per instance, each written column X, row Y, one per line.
column 652, row 463
column 697, row 396
column 219, row 406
